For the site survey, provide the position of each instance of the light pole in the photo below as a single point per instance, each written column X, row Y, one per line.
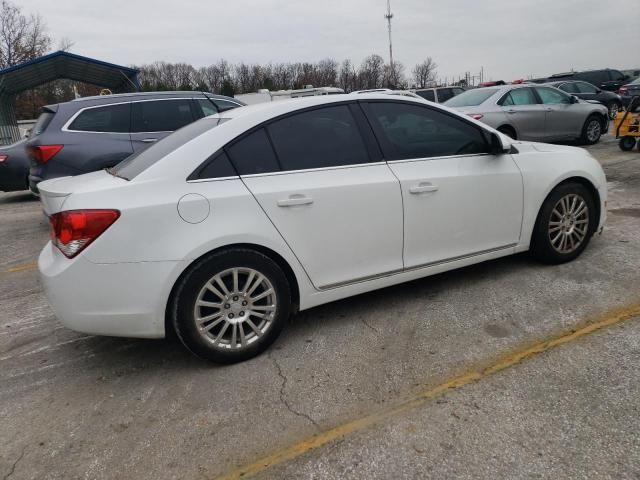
column 389, row 16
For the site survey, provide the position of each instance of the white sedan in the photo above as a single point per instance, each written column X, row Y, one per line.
column 227, row 227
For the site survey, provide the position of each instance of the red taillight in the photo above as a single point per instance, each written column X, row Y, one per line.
column 623, row 91
column 475, row 116
column 72, row 231
column 43, row 153
column 3, row 158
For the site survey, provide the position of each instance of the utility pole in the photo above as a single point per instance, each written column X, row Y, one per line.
column 389, row 16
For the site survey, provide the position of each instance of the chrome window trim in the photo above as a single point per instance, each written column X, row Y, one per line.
column 214, row 179
column 320, row 169
column 65, row 127
column 442, row 157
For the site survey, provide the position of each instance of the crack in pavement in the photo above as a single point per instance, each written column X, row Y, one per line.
column 13, row 467
column 370, row 326
column 283, row 398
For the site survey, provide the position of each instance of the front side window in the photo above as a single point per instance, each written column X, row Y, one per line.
column 161, row 115
column 519, row 96
column 585, row 87
column 107, row 119
column 550, row 96
column 410, row 131
column 324, row 137
column 445, row 94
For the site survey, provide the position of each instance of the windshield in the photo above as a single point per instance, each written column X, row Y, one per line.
column 471, row 98
column 137, row 163
column 636, row 81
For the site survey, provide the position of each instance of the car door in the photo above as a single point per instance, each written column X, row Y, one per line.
column 152, row 120
column 459, row 200
column 563, row 119
column 522, row 109
column 340, row 213
column 586, row 91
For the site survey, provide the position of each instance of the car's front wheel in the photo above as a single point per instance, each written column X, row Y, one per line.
column 565, row 224
column 231, row 305
column 592, row 130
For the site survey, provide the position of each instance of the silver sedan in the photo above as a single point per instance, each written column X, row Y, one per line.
column 534, row 112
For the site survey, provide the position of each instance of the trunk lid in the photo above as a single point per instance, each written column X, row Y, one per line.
column 54, row 193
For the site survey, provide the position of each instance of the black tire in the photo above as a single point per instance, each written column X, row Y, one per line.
column 626, row 144
column 508, row 131
column 192, row 284
column 587, row 137
column 614, row 108
column 542, row 247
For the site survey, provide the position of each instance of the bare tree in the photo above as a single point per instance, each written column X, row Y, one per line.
column 424, row 74
column 372, row 72
column 394, row 77
column 22, row 37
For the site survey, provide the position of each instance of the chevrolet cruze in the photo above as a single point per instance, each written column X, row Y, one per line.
column 227, row 227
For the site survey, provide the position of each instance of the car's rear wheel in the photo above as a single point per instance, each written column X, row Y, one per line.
column 508, row 131
column 627, row 143
column 565, row 224
column 592, row 130
column 231, row 305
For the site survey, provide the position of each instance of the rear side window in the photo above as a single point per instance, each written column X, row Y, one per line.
column 410, row 131
column 324, row 137
column 585, row 87
column 519, row 96
column 427, row 95
column 596, row 77
column 218, row 166
column 161, row 115
column 472, row 98
column 224, row 105
column 43, row 122
column 110, row 118
column 207, row 107
column 253, row 154
column 445, row 94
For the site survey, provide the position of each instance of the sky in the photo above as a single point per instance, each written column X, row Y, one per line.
column 509, row 39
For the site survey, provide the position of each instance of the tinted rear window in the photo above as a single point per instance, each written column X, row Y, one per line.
column 43, row 122
column 107, row 119
column 471, row 98
column 253, row 154
column 140, row 161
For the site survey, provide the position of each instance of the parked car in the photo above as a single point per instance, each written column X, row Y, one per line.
column 606, row 79
column 587, row 91
column 439, row 94
column 534, row 112
column 628, row 91
column 94, row 133
column 223, row 229
column 14, row 167
column 403, row 93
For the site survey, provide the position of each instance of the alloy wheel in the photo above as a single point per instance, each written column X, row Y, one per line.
column 235, row 308
column 593, row 131
column 568, row 223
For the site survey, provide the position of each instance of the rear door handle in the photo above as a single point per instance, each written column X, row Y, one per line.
column 512, row 111
column 295, row 200
column 149, row 140
column 423, row 187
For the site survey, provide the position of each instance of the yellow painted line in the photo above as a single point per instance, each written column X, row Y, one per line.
column 22, row 268
column 506, row 361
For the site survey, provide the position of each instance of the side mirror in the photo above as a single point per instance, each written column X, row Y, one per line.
column 497, row 145
column 574, row 99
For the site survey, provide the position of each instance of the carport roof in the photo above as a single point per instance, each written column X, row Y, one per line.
column 61, row 64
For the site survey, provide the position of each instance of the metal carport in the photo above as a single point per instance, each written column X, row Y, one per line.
column 41, row 70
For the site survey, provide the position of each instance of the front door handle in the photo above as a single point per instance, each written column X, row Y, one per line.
column 423, row 187
column 512, row 111
column 295, row 200
column 149, row 140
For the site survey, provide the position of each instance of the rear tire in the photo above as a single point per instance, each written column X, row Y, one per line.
column 231, row 305
column 591, row 131
column 565, row 224
column 627, row 143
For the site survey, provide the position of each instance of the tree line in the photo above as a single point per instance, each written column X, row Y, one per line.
column 230, row 79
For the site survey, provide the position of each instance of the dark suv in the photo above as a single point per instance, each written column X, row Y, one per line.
column 606, row 79
column 439, row 94
column 93, row 133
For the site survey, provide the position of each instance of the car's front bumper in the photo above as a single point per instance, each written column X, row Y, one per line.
column 118, row 299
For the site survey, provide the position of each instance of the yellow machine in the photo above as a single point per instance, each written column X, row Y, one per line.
column 627, row 125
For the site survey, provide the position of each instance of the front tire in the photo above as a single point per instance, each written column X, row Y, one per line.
column 231, row 305
column 591, row 131
column 565, row 224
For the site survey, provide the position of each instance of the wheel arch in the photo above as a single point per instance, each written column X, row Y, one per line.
column 268, row 252
column 508, row 126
